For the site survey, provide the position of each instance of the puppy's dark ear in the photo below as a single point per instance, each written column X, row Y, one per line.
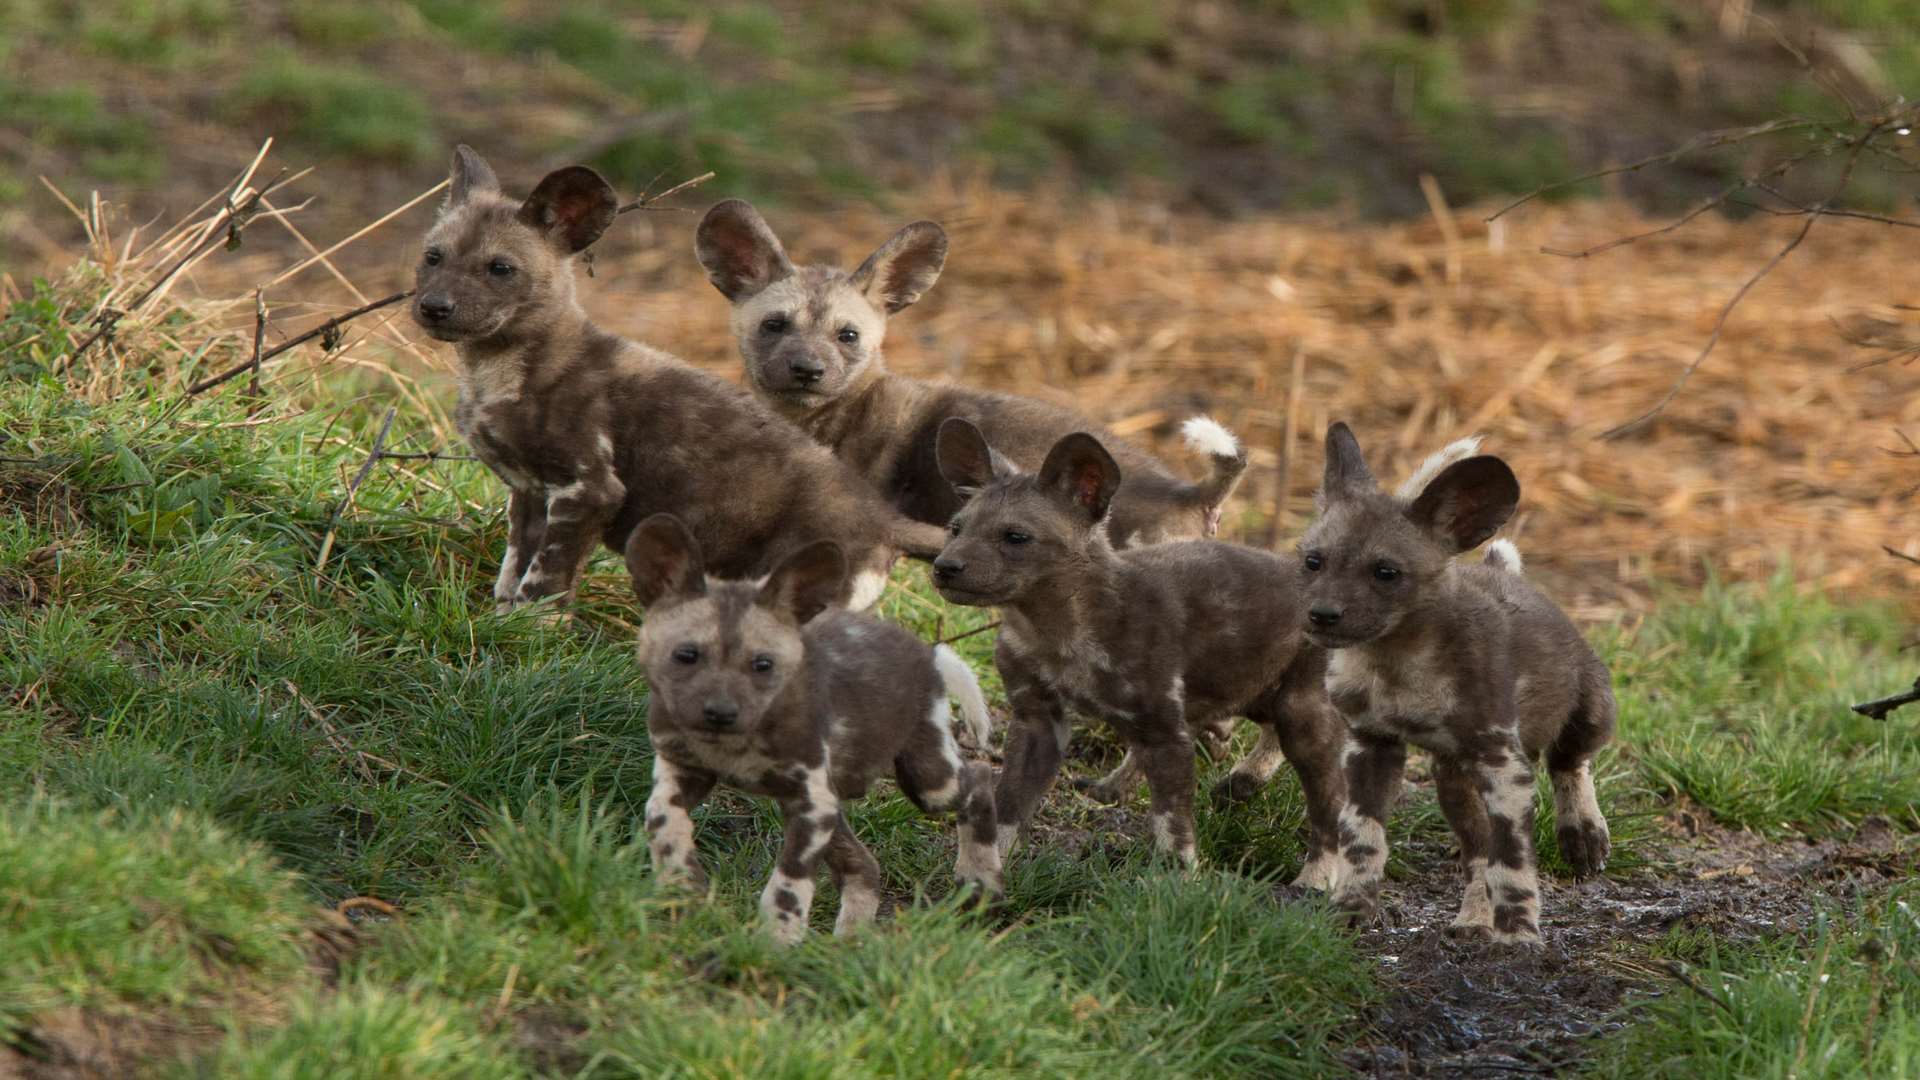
column 1347, row 475
column 571, row 207
column 1081, row 468
column 468, row 175
column 807, row 582
column 965, row 459
column 664, row 559
column 1467, row 502
column 903, row 268
column 739, row 250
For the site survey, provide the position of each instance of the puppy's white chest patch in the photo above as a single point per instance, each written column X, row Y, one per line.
column 1407, row 695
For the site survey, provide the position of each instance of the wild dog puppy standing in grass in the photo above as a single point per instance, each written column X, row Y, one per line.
column 1470, row 662
column 592, row 432
column 1153, row 640
column 811, row 336
column 762, row 687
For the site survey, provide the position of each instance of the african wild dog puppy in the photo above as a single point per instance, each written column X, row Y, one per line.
column 1153, row 640
column 1470, row 662
column 592, row 432
column 811, row 337
column 767, row 689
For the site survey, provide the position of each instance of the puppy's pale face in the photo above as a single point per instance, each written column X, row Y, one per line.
column 808, row 337
column 716, row 662
column 1364, row 560
column 481, row 269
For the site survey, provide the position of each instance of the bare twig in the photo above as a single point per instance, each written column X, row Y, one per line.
column 1880, row 707
column 963, row 635
column 1719, row 325
column 259, row 336
column 1694, row 985
column 647, row 199
column 1709, row 140
column 1718, row 199
column 330, row 327
column 373, row 458
column 1900, row 554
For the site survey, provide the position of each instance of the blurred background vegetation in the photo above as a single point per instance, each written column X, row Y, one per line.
column 1227, row 105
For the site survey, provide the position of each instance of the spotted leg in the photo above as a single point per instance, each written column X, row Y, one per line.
column 526, row 528
column 576, row 516
column 812, row 818
column 1037, row 741
column 1165, row 750
column 857, row 876
column 1466, row 813
column 1373, row 766
column 677, row 790
column 1505, row 780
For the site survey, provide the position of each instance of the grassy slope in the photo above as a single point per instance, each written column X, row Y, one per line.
column 1263, row 102
column 186, row 701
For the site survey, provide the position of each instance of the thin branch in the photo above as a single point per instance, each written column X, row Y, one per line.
column 1709, row 140
column 647, row 199
column 1694, row 985
column 373, row 458
column 229, row 223
column 259, row 337
column 963, row 635
column 1900, row 555
column 1879, row 709
column 1719, row 325
column 1718, row 199
column 329, row 327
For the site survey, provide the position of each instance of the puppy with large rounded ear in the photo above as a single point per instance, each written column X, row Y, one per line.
column 807, row 582
column 965, row 459
column 1082, row 470
column 467, row 176
column 901, row 270
column 1347, row 475
column 664, row 559
column 739, row 251
column 1468, row 502
column 571, row 207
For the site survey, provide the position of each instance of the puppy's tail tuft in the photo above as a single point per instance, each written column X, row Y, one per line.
column 1503, row 555
column 1205, row 435
column 964, row 688
column 1458, row 450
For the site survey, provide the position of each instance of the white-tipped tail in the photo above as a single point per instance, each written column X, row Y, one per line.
column 1437, row 462
column 1504, row 555
column 1205, row 435
column 964, row 689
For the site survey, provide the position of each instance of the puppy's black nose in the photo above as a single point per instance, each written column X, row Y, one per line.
column 946, row 569
column 806, row 372
column 720, row 713
column 1323, row 616
column 436, row 308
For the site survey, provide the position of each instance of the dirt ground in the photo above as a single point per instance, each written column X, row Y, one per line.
column 1469, row 1009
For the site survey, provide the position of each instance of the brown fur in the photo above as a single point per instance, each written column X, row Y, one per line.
column 1153, row 640
column 1470, row 662
column 592, row 432
column 767, row 689
column 811, row 340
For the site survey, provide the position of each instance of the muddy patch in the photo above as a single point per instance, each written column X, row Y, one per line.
column 1473, row 1009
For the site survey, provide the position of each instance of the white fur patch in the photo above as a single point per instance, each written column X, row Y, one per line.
column 1505, row 555
column 1320, row 872
column 1476, row 904
column 787, row 927
column 1004, row 839
column 1574, row 800
column 866, row 590
column 964, row 687
column 676, row 835
column 507, row 585
column 858, row 905
column 1205, row 435
column 1436, row 463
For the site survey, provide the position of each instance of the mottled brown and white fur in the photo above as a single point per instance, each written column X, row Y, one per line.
column 1152, row 640
column 1470, row 662
column 592, row 432
column 766, row 688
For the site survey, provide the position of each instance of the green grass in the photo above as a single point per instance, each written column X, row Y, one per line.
column 187, row 698
column 1842, row 1002
column 337, row 109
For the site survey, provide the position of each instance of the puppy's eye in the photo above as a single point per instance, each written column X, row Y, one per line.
column 686, row 654
column 1314, row 563
column 774, row 324
column 432, row 257
column 1384, row 572
column 848, row 335
column 1015, row 536
column 763, row 664
column 953, row 528
column 500, row 268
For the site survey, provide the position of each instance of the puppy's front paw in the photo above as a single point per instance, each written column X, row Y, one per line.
column 1237, row 787
column 1585, row 845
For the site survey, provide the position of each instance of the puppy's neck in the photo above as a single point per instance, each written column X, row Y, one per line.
column 1065, row 606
